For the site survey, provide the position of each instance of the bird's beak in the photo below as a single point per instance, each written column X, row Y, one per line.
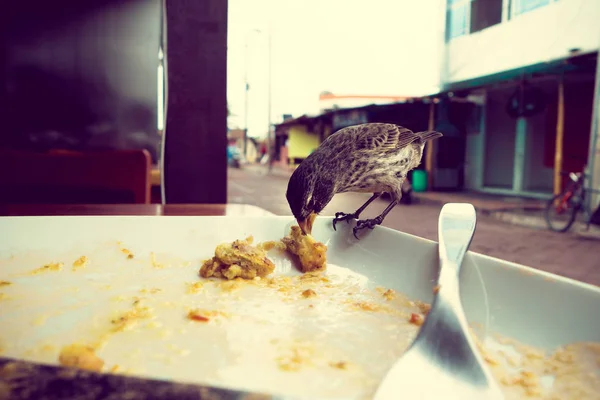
column 307, row 224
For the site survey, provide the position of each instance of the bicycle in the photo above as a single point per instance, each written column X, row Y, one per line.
column 568, row 204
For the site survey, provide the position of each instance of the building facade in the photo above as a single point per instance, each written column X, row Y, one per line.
column 529, row 67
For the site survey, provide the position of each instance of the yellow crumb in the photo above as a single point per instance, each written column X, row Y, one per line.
column 48, row 268
column 129, row 318
column 194, row 287
column 81, row 262
column 423, row 307
column 339, row 364
column 136, row 300
column 295, row 358
column 151, row 290
column 388, row 294
column 128, row 253
column 313, row 277
column 199, row 315
column 366, row 306
column 490, row 359
column 155, row 263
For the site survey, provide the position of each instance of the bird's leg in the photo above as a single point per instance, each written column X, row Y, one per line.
column 371, row 223
column 340, row 216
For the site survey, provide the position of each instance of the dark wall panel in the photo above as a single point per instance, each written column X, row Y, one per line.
column 81, row 74
column 196, row 129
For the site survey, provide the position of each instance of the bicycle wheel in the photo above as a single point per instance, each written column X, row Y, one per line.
column 560, row 212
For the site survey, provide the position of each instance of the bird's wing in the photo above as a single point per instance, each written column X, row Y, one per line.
column 383, row 137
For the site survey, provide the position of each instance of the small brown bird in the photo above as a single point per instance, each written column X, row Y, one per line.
column 367, row 158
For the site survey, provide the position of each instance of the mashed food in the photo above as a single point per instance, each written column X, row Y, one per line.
column 310, row 253
column 238, row 260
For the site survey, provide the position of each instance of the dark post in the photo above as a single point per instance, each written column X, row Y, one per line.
column 195, row 159
column 4, row 20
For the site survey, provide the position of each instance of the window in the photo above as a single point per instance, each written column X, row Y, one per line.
column 485, row 13
column 457, row 18
column 523, row 6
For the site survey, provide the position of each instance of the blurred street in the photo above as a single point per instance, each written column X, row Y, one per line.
column 563, row 254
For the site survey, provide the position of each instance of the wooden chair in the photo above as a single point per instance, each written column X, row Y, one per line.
column 68, row 177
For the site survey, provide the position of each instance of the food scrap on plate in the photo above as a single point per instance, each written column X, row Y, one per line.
column 51, row 267
column 199, row 315
column 81, row 262
column 80, row 356
column 311, row 254
column 239, row 259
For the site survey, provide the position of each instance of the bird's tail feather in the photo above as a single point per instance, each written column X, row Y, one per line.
column 428, row 135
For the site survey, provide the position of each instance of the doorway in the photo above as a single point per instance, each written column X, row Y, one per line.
column 500, row 141
column 514, row 148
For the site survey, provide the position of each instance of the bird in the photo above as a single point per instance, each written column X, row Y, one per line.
column 364, row 158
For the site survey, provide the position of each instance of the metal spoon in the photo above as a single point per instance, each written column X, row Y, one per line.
column 442, row 362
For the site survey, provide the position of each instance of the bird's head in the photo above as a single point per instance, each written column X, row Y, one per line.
column 308, row 193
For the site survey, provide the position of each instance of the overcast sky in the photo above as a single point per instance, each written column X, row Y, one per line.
column 375, row 47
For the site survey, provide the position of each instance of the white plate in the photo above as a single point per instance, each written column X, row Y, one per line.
column 41, row 313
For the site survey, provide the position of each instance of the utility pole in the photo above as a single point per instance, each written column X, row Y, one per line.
column 247, row 87
column 270, row 138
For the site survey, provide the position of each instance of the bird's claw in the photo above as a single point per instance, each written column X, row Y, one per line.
column 340, row 216
column 366, row 223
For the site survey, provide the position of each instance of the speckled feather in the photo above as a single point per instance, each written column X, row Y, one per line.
column 370, row 158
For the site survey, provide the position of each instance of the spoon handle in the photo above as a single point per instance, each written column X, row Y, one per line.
column 456, row 227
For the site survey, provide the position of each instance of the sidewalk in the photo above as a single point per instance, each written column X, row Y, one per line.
column 484, row 203
column 512, row 210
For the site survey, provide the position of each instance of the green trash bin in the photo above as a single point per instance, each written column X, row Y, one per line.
column 419, row 180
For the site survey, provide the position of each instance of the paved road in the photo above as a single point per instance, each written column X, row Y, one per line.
column 557, row 253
